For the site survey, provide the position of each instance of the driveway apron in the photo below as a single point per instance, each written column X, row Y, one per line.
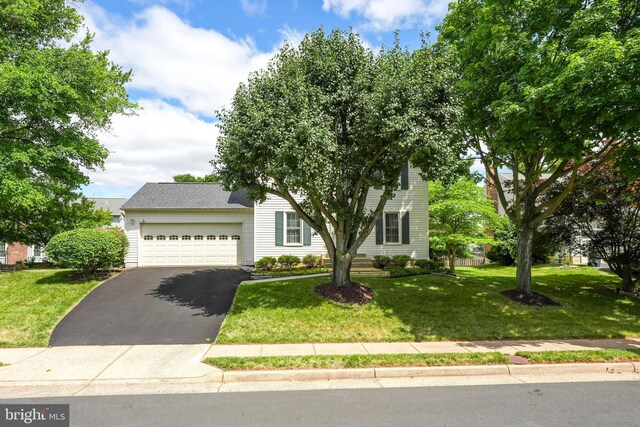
column 153, row 305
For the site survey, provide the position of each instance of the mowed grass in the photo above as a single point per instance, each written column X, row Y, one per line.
column 354, row 361
column 32, row 302
column 434, row 308
column 580, row 356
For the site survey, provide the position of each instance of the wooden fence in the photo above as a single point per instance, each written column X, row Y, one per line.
column 464, row 262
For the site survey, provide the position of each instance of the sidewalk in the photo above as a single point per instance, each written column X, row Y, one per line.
column 181, row 364
column 503, row 346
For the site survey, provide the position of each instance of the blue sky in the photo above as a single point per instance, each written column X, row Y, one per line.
column 188, row 56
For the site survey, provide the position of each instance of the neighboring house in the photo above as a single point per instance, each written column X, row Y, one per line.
column 202, row 224
column 568, row 256
column 11, row 253
column 113, row 206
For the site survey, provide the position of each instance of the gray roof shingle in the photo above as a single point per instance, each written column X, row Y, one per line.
column 186, row 195
column 109, row 204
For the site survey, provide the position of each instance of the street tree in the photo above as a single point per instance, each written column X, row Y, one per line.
column 56, row 95
column 548, row 87
column 329, row 120
column 460, row 215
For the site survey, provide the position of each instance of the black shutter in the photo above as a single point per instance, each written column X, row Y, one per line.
column 404, row 177
column 379, row 232
column 405, row 229
column 279, row 228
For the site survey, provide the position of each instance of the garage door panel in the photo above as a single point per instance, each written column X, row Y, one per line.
column 191, row 244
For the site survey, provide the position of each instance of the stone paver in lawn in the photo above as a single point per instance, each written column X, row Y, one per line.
column 340, row 348
column 439, row 347
column 389, row 347
column 287, row 350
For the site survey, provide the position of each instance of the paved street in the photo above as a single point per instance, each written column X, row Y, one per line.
column 567, row 404
column 153, row 305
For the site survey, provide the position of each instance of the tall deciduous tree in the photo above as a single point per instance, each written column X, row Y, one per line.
column 56, row 94
column 548, row 86
column 460, row 215
column 327, row 121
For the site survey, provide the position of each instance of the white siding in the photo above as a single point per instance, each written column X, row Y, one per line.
column 222, row 216
column 265, row 232
column 414, row 200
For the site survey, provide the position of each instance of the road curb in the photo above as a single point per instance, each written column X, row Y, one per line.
column 432, row 371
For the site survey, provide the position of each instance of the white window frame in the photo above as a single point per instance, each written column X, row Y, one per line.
column 384, row 228
column 286, row 229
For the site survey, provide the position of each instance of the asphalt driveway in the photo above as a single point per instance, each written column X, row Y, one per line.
column 153, row 305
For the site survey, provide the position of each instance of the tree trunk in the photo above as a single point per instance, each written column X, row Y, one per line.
column 452, row 262
column 628, row 282
column 523, row 272
column 342, row 270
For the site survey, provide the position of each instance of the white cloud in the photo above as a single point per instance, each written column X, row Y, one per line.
column 254, row 7
column 159, row 142
column 389, row 14
column 199, row 67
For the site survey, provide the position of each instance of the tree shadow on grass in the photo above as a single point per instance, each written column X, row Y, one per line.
column 62, row 277
column 473, row 309
column 209, row 291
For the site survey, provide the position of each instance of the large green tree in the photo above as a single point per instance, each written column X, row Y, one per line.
column 460, row 215
column 548, row 86
column 329, row 120
column 56, row 94
column 187, row 177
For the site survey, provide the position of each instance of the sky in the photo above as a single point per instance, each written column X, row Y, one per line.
column 188, row 57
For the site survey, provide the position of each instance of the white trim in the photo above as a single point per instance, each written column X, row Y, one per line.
column 384, row 228
column 286, row 229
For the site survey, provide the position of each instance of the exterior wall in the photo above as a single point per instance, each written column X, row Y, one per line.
column 414, row 200
column 136, row 217
column 17, row 252
column 265, row 232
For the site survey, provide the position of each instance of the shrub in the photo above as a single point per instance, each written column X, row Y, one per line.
column 382, row 261
column 119, row 233
column 403, row 272
column 311, row 261
column 400, row 260
column 500, row 254
column 288, row 261
column 430, row 264
column 87, row 250
column 266, row 263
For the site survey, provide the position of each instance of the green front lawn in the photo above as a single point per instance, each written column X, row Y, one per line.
column 581, row 356
column 32, row 302
column 433, row 308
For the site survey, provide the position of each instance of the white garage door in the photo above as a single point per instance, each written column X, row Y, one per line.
column 191, row 244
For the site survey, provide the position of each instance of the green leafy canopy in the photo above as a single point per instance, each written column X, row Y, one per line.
column 328, row 120
column 56, row 94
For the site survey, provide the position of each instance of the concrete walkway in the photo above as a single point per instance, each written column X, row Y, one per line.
column 122, row 364
column 504, row 346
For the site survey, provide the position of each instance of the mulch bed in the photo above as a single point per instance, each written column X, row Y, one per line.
column 534, row 299
column 353, row 294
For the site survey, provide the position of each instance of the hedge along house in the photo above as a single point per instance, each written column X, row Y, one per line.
column 202, row 224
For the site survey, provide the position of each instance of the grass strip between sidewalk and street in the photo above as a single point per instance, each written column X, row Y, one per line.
column 417, row 360
column 354, row 361
column 581, row 356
